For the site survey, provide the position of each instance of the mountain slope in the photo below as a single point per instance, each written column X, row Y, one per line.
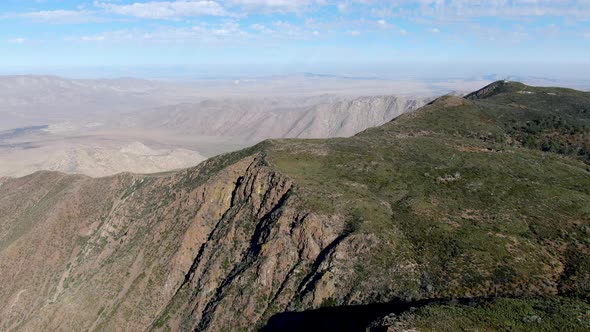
column 445, row 202
column 253, row 120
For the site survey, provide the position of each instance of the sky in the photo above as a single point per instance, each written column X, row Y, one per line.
column 547, row 38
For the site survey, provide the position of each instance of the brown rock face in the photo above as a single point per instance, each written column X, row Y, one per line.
column 183, row 251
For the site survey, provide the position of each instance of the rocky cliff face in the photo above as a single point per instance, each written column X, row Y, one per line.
column 437, row 204
column 132, row 252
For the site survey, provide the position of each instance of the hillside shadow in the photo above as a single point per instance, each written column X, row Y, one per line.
column 341, row 318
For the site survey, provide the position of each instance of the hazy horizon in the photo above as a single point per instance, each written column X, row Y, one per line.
column 437, row 72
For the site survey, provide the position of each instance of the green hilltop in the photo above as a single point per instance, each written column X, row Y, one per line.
column 484, row 196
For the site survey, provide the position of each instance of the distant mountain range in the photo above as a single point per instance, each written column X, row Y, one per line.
column 85, row 126
column 253, row 120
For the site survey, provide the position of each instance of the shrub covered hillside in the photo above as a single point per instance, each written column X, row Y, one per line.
column 483, row 196
column 558, row 122
column 470, row 213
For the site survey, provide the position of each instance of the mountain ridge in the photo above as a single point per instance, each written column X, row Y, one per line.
column 256, row 121
column 444, row 202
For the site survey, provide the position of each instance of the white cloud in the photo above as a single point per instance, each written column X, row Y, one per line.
column 382, row 12
column 276, row 5
column 262, row 29
column 106, row 36
column 287, row 29
column 465, row 9
column 377, row 17
column 93, row 38
column 165, row 9
column 58, row 16
column 187, row 8
column 383, row 24
column 206, row 33
column 343, row 7
column 17, row 41
column 258, row 27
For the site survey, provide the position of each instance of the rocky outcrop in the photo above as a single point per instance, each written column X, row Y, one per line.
column 174, row 252
column 267, row 254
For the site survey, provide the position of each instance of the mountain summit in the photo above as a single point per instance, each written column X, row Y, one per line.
column 482, row 200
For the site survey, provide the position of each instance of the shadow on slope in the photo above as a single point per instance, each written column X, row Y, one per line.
column 344, row 318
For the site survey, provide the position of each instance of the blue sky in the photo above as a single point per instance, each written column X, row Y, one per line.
column 528, row 37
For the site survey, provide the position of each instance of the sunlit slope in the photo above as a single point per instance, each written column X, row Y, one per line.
column 447, row 202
